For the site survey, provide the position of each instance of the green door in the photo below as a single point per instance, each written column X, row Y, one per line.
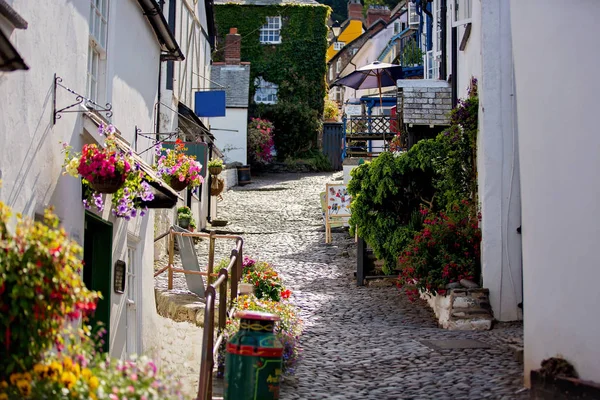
column 97, row 257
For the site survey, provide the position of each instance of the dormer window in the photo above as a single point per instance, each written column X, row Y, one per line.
column 337, row 46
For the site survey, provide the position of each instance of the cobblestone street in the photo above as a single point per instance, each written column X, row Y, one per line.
column 359, row 342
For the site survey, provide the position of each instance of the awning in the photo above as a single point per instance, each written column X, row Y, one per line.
column 164, row 195
column 10, row 59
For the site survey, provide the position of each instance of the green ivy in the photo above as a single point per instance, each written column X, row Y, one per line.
column 297, row 65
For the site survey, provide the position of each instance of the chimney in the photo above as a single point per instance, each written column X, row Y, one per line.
column 377, row 12
column 233, row 47
column 355, row 10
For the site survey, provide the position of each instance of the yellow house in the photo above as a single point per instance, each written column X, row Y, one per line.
column 351, row 28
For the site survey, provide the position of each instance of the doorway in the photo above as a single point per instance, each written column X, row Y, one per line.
column 97, row 258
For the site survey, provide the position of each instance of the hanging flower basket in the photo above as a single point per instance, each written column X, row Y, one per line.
column 215, row 170
column 108, row 185
column 217, row 186
column 178, row 185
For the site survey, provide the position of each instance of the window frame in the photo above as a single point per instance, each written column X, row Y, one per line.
column 260, row 97
column 337, row 46
column 412, row 12
column 266, row 29
column 461, row 4
column 97, row 50
column 338, row 66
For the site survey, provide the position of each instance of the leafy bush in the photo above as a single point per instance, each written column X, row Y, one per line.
column 331, row 110
column 260, row 141
column 41, row 288
column 446, row 250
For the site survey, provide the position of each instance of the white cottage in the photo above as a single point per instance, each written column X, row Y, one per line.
column 105, row 56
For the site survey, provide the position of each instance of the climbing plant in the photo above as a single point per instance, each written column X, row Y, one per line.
column 296, row 65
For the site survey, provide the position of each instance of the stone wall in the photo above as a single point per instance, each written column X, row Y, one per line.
column 425, row 102
column 462, row 309
column 229, row 175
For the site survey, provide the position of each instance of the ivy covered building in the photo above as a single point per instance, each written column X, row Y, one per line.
column 286, row 43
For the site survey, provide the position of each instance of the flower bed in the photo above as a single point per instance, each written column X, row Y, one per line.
column 42, row 295
column 260, row 141
column 108, row 170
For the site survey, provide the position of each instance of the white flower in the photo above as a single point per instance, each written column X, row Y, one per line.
column 72, row 166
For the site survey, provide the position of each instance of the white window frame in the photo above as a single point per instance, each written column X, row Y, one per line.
column 337, row 46
column 331, row 72
column 338, row 66
column 265, row 92
column 270, row 33
column 413, row 17
column 433, row 57
column 463, row 6
column 97, row 49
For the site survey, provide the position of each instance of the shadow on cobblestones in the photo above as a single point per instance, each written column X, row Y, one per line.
column 359, row 342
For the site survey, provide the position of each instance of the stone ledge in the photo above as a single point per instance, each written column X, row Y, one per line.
column 462, row 309
column 180, row 306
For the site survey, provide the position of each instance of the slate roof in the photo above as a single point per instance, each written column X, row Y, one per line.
column 235, row 79
column 268, row 2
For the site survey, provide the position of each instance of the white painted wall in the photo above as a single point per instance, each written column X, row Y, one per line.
column 233, row 144
column 498, row 164
column 469, row 59
column 559, row 147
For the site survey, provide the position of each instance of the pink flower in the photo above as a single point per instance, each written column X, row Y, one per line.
column 131, row 389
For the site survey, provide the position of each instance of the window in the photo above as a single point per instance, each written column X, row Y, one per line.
column 413, row 17
column 97, row 47
column 270, row 32
column 266, row 92
column 461, row 14
column 337, row 46
column 354, row 51
column 330, row 73
column 338, row 66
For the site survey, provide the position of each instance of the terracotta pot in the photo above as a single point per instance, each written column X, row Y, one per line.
column 109, row 185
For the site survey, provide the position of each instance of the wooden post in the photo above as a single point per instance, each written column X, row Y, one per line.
column 360, row 262
column 171, row 255
column 211, row 256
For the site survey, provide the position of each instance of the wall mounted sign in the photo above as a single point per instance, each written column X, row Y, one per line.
column 119, row 277
column 210, row 103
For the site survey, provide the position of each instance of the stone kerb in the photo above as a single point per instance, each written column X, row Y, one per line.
column 462, row 309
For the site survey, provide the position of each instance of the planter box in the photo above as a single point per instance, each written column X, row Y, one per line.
column 560, row 388
column 462, row 309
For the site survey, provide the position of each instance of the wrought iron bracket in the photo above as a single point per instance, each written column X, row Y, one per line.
column 147, row 135
column 79, row 99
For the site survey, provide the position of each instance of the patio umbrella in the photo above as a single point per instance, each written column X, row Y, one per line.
column 372, row 76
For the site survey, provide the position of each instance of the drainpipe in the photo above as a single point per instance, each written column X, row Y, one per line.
column 454, row 66
column 443, row 16
column 209, row 180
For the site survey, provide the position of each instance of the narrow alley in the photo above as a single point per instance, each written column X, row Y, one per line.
column 360, row 342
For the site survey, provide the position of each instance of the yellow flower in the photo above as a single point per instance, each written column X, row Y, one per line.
column 3, row 396
column 3, row 385
column 68, row 379
column 72, row 166
column 92, row 396
column 68, row 364
column 14, row 378
column 94, row 383
column 54, row 370
column 24, row 387
column 40, row 369
column 86, row 373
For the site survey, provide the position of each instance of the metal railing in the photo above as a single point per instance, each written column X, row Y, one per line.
column 229, row 275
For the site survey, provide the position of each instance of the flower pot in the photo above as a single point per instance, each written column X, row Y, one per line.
column 178, row 185
column 215, row 170
column 184, row 222
column 107, row 185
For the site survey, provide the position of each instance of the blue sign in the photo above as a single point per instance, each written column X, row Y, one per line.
column 210, row 103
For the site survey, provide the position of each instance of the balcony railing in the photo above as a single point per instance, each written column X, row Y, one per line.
column 367, row 136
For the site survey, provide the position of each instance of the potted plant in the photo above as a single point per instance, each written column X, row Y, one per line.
column 108, row 170
column 178, row 169
column 215, row 166
column 185, row 218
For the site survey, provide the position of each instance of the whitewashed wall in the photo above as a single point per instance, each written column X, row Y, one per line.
column 498, row 164
column 559, row 146
column 233, row 144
